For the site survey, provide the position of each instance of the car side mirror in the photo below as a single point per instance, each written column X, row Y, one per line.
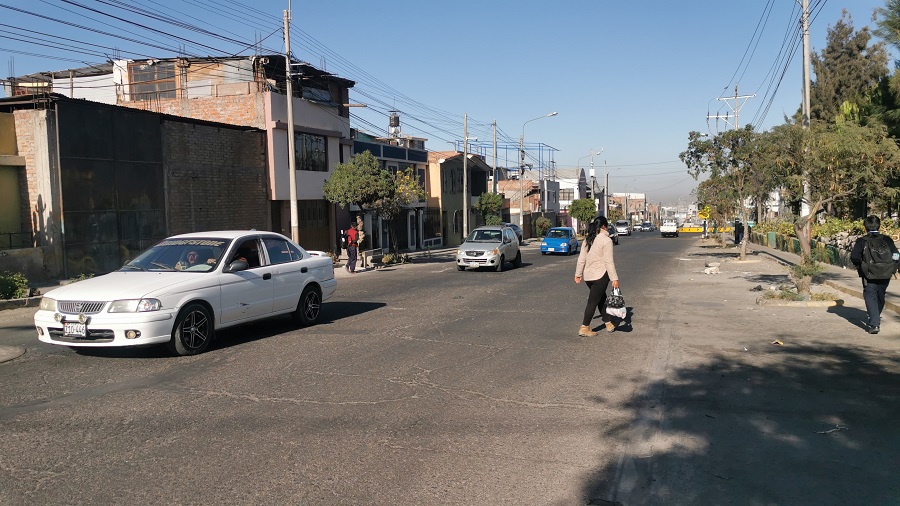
column 237, row 265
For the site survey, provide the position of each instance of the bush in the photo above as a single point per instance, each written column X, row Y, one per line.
column 13, row 285
column 541, row 226
column 834, row 226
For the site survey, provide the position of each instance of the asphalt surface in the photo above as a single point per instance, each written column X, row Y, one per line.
column 702, row 397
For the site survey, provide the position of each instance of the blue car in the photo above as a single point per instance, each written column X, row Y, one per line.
column 560, row 240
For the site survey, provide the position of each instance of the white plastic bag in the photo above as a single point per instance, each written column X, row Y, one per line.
column 618, row 312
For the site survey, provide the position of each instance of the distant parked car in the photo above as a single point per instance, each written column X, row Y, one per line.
column 647, row 227
column 517, row 229
column 623, row 227
column 560, row 240
column 613, row 235
column 489, row 246
column 184, row 288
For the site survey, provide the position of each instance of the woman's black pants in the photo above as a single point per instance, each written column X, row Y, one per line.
column 596, row 299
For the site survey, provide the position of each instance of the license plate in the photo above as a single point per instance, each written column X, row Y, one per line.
column 74, row 329
column 550, row 249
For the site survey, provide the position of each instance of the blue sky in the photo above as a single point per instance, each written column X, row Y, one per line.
column 632, row 78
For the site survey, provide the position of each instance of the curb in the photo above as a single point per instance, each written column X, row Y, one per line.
column 762, row 301
column 888, row 304
column 20, row 303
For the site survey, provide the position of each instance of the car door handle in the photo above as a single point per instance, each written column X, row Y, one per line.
column 267, row 275
column 304, row 269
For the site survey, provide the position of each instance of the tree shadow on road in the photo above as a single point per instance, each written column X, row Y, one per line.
column 804, row 423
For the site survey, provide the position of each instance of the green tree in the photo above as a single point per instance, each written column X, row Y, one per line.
column 489, row 206
column 615, row 215
column 583, row 210
column 730, row 156
column 360, row 182
column 838, row 161
column 718, row 194
column 847, row 70
column 404, row 190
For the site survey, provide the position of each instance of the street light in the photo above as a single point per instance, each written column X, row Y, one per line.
column 522, row 169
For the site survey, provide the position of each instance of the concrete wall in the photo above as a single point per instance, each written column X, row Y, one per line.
column 28, row 261
column 216, row 178
column 36, row 141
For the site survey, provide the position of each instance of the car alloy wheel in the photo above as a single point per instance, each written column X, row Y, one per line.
column 193, row 331
column 309, row 307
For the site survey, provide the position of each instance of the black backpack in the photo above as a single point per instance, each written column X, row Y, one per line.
column 877, row 262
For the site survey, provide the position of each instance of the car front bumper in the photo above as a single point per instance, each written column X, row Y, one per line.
column 479, row 261
column 108, row 329
column 554, row 248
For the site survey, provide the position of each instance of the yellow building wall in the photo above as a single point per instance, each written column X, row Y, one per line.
column 10, row 205
column 8, row 134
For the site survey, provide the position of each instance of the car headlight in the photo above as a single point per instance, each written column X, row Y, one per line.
column 47, row 304
column 543, row 243
column 135, row 305
column 496, row 251
column 459, row 252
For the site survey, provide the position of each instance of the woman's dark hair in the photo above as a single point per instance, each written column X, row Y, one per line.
column 872, row 223
column 593, row 229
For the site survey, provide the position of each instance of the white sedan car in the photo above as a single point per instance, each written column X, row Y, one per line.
column 180, row 291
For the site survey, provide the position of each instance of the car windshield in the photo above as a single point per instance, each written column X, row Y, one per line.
column 485, row 236
column 188, row 255
column 557, row 233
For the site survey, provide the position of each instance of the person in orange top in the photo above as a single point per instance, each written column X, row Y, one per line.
column 596, row 266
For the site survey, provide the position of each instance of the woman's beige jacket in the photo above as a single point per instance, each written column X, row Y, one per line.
column 597, row 260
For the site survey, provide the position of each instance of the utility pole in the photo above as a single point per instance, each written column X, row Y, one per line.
column 735, row 109
column 804, row 20
column 292, row 168
column 465, row 176
column 605, row 190
column 495, row 157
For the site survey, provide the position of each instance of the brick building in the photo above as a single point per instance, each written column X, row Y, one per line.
column 248, row 91
column 97, row 184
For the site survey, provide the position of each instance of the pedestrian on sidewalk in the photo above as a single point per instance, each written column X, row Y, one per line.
column 352, row 248
column 596, row 266
column 361, row 243
column 876, row 259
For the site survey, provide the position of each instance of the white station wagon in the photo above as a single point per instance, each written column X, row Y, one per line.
column 180, row 291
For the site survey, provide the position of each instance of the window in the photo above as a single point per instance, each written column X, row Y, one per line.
column 567, row 194
column 280, row 251
column 152, row 81
column 309, row 151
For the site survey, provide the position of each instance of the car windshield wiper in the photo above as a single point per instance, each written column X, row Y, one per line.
column 133, row 266
column 161, row 266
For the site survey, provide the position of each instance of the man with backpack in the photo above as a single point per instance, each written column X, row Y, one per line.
column 876, row 259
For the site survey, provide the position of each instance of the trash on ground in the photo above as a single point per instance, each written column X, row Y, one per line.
column 757, row 288
column 779, row 343
column 835, row 429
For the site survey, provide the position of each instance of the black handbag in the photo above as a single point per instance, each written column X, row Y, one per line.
column 615, row 299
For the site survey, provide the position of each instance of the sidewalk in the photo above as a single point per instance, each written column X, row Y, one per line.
column 844, row 280
column 742, row 403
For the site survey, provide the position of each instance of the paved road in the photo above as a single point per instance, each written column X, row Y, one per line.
column 425, row 385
